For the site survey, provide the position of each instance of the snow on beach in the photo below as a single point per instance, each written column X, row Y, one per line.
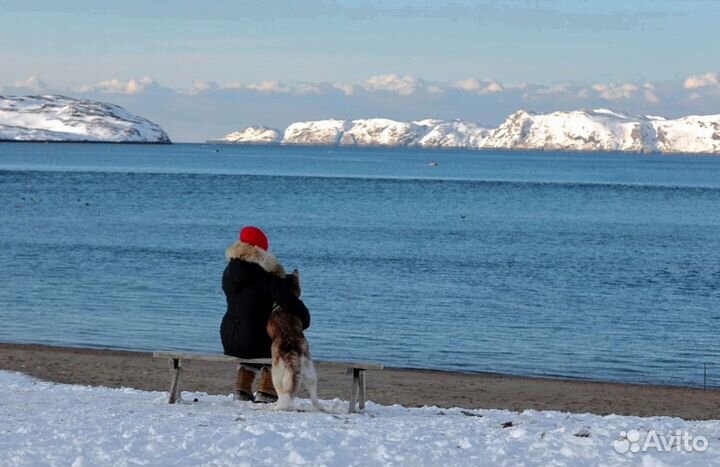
column 48, row 424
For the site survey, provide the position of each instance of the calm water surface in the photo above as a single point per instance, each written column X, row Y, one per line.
column 589, row 266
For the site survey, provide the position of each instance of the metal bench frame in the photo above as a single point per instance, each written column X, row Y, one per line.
column 358, row 391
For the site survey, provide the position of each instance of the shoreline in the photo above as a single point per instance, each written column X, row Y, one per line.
column 449, row 150
column 408, row 387
column 506, row 150
column 50, row 141
column 485, row 374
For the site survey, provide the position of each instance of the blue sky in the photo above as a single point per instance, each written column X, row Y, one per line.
column 249, row 58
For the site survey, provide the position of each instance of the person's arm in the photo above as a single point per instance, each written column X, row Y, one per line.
column 283, row 296
column 233, row 275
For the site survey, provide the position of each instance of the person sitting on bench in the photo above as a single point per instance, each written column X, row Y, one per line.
column 254, row 282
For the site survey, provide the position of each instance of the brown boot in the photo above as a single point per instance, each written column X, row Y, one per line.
column 266, row 391
column 243, row 385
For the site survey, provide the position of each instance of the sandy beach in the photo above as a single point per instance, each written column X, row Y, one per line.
column 112, row 368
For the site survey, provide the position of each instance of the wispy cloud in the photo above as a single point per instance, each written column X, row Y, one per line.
column 33, row 83
column 402, row 85
column 613, row 92
column 118, row 86
column 617, row 92
column 406, row 86
column 481, row 86
column 708, row 80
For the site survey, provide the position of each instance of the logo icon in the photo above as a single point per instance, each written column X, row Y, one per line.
column 631, row 441
column 628, row 442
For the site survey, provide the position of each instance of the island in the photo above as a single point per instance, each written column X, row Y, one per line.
column 54, row 118
column 580, row 130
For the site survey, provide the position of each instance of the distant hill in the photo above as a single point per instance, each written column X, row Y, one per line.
column 63, row 119
column 581, row 130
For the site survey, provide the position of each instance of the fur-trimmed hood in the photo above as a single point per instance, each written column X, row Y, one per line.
column 252, row 254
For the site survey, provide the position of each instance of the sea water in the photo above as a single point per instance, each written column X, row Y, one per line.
column 597, row 266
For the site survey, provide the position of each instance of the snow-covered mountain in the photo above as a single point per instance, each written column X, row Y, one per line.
column 60, row 118
column 369, row 132
column 253, row 135
column 605, row 130
column 581, row 130
column 317, row 133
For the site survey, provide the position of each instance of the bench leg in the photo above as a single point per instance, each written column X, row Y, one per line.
column 361, row 392
column 354, row 390
column 176, row 371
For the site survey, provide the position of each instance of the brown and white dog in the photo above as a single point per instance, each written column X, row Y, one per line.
column 291, row 362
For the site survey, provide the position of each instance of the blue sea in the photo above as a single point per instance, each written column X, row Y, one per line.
column 593, row 266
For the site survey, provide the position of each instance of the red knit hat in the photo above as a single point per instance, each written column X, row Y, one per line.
column 254, row 236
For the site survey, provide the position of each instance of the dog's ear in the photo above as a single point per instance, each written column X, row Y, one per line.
column 293, row 281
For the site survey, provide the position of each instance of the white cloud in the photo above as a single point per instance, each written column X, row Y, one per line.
column 403, row 85
column 307, row 88
column 406, row 86
column 554, row 89
column 469, row 85
column 651, row 96
column 702, row 81
column 198, row 87
column 493, row 87
column 268, row 86
column 613, row 92
column 483, row 86
column 33, row 83
column 234, row 85
column 273, row 86
column 347, row 89
column 534, row 92
column 117, row 86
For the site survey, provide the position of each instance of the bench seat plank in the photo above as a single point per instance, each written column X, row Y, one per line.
column 211, row 357
column 258, row 361
column 357, row 365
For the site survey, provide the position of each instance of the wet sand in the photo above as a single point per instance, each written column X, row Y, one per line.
column 112, row 368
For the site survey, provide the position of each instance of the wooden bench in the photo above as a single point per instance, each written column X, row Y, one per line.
column 177, row 360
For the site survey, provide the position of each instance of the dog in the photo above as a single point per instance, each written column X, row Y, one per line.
column 291, row 361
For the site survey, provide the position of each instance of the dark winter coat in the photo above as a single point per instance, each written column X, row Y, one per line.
column 253, row 282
